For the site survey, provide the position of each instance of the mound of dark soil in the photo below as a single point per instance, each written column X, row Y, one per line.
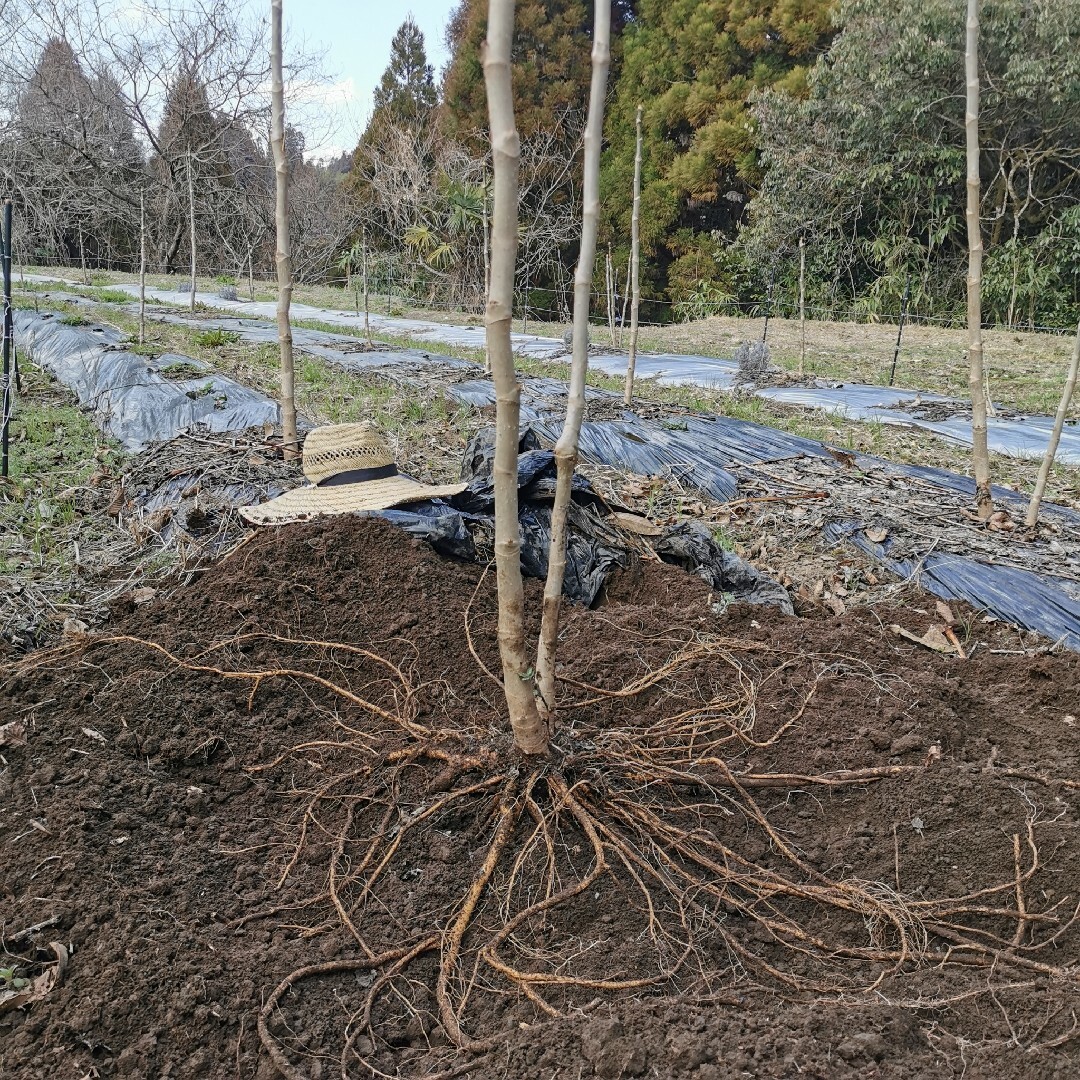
column 183, row 829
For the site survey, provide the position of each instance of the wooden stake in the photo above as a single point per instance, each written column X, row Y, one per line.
column 566, row 449
column 290, row 445
column 530, row 733
column 980, row 457
column 1032, row 518
column 635, row 267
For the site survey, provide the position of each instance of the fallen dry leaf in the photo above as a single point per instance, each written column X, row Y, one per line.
column 835, row 605
column 118, row 502
column 13, row 733
column 92, row 733
column 934, row 638
column 945, row 612
column 876, row 536
column 637, row 524
column 40, row 985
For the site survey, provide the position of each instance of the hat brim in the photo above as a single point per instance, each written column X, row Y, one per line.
column 306, row 503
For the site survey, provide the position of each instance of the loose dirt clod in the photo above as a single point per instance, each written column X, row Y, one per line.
column 306, row 839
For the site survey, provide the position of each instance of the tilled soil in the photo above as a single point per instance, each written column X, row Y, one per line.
column 179, row 831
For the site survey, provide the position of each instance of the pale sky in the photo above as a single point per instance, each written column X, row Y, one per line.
column 356, row 37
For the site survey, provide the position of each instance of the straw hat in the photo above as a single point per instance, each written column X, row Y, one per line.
column 350, row 469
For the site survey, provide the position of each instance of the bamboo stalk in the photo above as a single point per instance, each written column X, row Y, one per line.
column 289, row 444
column 1032, row 518
column 635, row 267
column 566, row 449
column 530, row 733
column 980, row 457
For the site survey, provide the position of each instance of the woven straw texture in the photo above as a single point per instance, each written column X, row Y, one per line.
column 329, row 451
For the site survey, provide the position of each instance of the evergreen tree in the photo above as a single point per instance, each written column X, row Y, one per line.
column 871, row 165
column 406, row 92
column 694, row 65
column 552, row 46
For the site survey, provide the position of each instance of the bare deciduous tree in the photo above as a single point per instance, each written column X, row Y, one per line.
column 284, row 261
column 1032, row 518
column 980, row 457
column 635, row 267
column 566, row 449
column 142, row 268
column 530, row 732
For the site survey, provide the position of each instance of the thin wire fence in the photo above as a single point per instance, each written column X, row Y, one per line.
column 416, row 292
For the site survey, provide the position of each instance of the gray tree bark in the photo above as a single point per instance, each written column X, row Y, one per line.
column 191, row 228
column 1032, row 518
column 142, row 267
column 290, row 446
column 566, row 449
column 980, row 457
column 635, row 267
column 530, row 733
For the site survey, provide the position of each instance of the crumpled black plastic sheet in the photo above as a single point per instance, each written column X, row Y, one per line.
column 1040, row 602
column 464, row 526
column 691, row 546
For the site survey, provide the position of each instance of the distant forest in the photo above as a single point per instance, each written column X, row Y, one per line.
column 837, row 125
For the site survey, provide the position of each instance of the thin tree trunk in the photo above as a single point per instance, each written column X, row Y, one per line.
column 251, row 274
column 82, row 258
column 367, row 308
column 980, row 458
column 635, row 267
column 1032, row 518
column 530, row 734
column 142, row 267
column 802, row 306
column 487, row 249
column 566, row 449
column 609, row 282
column 625, row 300
column 191, row 227
column 290, row 447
